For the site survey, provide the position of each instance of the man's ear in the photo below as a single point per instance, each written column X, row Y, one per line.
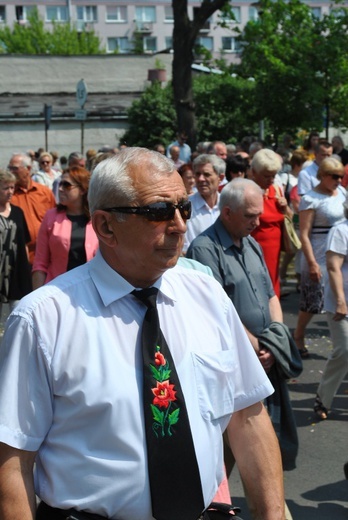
column 103, row 227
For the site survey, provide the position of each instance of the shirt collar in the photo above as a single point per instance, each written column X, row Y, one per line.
column 111, row 286
column 225, row 238
column 31, row 186
column 200, row 202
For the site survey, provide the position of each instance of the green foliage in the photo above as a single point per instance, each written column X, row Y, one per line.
column 138, row 43
column 151, row 118
column 224, row 107
column 299, row 63
column 224, row 110
column 32, row 38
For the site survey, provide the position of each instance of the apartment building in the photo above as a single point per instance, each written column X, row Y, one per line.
column 123, row 26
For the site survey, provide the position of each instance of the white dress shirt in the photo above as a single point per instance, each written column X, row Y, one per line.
column 307, row 178
column 71, row 380
column 202, row 217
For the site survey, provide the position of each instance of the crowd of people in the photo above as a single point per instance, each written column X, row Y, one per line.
column 224, row 221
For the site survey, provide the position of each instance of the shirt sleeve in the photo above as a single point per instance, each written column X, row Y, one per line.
column 26, row 409
column 303, row 182
column 42, row 251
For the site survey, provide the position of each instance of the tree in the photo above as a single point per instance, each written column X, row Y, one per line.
column 224, row 111
column 151, row 118
column 184, row 37
column 33, row 38
column 225, row 107
column 299, row 63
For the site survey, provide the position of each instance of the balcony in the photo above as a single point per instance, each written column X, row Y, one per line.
column 144, row 27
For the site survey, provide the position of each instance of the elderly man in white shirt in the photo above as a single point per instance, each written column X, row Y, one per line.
column 209, row 171
column 71, row 366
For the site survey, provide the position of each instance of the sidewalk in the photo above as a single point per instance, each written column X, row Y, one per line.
column 317, row 488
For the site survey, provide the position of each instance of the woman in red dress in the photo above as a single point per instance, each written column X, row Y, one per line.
column 264, row 166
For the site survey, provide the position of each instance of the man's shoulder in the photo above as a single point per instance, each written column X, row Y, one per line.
column 207, row 237
column 195, row 284
column 56, row 295
column 309, row 169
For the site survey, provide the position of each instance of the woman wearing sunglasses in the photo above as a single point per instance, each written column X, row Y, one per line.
column 66, row 238
column 46, row 174
column 319, row 210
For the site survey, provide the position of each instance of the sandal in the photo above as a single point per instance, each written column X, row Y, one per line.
column 304, row 352
column 319, row 409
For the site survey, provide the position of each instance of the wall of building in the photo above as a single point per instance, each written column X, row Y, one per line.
column 29, row 82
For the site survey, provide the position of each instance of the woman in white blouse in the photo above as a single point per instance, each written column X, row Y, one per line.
column 336, row 306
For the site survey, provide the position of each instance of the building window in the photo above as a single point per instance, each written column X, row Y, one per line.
column 253, row 14
column 316, row 12
column 230, row 44
column 56, row 13
column 236, row 14
column 23, row 12
column 116, row 13
column 150, row 44
column 169, row 42
column 145, row 14
column 206, row 41
column 168, row 14
column 118, row 45
column 87, row 13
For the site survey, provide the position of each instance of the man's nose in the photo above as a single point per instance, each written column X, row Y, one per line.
column 179, row 224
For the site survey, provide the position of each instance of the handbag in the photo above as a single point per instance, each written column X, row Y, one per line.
column 220, row 511
column 290, row 241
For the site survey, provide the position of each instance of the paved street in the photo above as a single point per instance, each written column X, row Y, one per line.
column 316, row 489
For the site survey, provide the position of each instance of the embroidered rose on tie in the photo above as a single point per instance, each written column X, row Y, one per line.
column 164, row 397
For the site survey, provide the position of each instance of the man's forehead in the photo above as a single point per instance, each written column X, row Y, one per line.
column 207, row 167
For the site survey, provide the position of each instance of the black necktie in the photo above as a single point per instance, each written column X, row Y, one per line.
column 176, row 490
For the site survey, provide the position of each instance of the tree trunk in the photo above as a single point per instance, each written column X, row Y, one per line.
column 183, row 44
column 184, row 36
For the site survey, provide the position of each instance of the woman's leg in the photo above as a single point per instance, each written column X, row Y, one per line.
column 302, row 321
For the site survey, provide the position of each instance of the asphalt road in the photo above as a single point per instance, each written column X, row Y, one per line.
column 317, row 488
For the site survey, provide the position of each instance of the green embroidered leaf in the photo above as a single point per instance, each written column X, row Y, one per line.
column 156, row 373
column 173, row 417
column 165, row 374
column 158, row 416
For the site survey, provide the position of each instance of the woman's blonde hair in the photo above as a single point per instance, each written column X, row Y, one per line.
column 330, row 165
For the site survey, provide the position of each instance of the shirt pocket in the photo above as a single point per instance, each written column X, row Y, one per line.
column 214, row 379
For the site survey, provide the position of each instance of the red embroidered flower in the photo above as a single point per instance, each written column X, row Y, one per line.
column 159, row 359
column 164, row 393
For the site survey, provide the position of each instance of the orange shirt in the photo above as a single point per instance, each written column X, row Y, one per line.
column 34, row 202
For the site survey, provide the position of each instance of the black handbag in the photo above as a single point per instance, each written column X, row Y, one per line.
column 220, row 511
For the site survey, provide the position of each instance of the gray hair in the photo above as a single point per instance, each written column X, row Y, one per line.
column 26, row 161
column 218, row 164
column 266, row 159
column 233, row 194
column 111, row 185
column 6, row 176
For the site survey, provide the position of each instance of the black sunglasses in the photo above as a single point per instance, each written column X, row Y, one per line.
column 67, row 185
column 158, row 211
column 335, row 176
